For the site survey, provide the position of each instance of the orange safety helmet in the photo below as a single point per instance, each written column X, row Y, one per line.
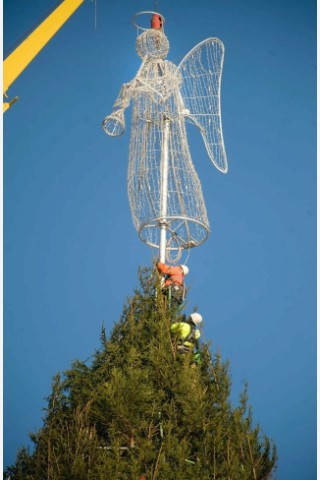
column 156, row 22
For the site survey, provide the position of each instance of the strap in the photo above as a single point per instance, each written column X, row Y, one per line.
column 191, row 335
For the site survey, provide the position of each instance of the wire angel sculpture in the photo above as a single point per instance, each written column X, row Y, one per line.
column 164, row 190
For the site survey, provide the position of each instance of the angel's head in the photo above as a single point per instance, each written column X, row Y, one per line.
column 152, row 44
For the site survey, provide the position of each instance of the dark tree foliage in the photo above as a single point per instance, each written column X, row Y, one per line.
column 141, row 410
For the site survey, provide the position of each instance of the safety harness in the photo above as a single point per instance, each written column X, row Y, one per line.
column 182, row 345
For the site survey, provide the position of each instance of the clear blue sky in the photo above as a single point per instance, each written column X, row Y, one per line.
column 71, row 253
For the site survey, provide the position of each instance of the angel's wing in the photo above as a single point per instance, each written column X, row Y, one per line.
column 201, row 70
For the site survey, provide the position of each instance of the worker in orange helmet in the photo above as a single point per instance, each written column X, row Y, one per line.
column 156, row 21
column 173, row 280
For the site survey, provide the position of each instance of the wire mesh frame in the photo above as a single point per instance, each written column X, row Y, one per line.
column 201, row 69
column 152, row 44
column 151, row 229
column 140, row 14
column 185, row 215
column 155, row 92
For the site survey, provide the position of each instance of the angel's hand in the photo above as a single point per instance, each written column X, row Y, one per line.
column 115, row 124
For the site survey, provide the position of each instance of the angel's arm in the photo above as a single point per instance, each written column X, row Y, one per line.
column 115, row 124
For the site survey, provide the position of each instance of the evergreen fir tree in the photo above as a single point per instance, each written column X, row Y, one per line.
column 143, row 411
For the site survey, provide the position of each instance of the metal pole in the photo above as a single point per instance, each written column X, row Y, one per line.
column 164, row 192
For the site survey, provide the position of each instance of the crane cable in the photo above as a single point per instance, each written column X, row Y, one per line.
column 95, row 14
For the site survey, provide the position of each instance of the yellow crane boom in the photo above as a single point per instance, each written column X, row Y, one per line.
column 20, row 58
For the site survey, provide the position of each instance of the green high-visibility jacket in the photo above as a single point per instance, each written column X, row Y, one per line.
column 185, row 332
